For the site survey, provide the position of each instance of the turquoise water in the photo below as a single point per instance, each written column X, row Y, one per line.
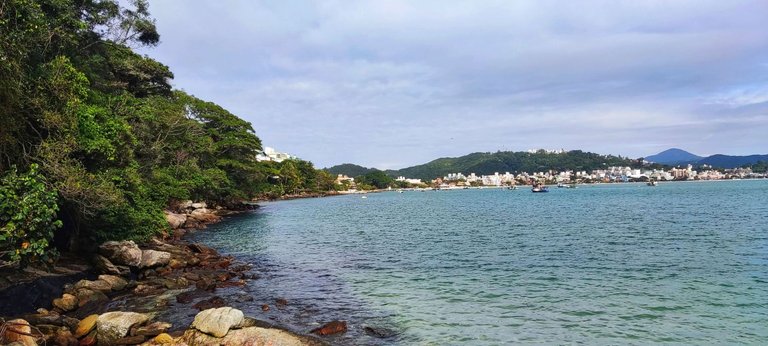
column 604, row 264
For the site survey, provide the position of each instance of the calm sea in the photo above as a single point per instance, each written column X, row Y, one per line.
column 679, row 263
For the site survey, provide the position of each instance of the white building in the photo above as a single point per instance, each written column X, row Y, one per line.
column 270, row 154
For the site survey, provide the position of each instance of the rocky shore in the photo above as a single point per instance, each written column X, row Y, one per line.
column 133, row 295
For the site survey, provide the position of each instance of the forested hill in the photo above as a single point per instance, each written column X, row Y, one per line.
column 507, row 161
column 95, row 143
column 349, row 169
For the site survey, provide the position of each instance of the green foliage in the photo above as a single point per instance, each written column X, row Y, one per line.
column 376, row 179
column 350, row 170
column 27, row 217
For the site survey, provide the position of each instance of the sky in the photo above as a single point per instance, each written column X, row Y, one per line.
column 391, row 84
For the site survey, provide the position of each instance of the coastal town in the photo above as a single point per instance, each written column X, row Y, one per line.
column 609, row 175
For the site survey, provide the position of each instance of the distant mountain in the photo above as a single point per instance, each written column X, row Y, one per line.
column 673, row 156
column 728, row 161
column 349, row 169
column 507, row 161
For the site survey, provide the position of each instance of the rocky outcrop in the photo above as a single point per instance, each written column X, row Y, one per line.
column 152, row 258
column 113, row 326
column 103, row 265
column 217, row 321
column 333, row 327
column 121, row 252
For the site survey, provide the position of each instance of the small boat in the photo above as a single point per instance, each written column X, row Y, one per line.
column 364, row 197
column 539, row 188
column 513, row 187
column 652, row 183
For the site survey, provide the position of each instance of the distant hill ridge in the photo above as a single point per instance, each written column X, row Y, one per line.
column 676, row 156
column 502, row 161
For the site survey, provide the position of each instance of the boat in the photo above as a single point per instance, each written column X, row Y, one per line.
column 364, row 197
column 652, row 183
column 539, row 188
column 512, row 187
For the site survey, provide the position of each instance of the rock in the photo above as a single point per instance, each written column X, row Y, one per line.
column 116, row 283
column 265, row 307
column 89, row 340
column 163, row 339
column 281, row 301
column 121, row 252
column 248, row 336
column 52, row 319
column 203, row 216
column 152, row 258
column 377, row 332
column 130, row 340
column 218, row 321
column 332, row 327
column 210, row 303
column 64, row 337
column 85, row 326
column 67, row 302
column 112, row 326
column 103, row 265
column 185, row 297
column 200, row 205
column 176, row 264
column 18, row 331
column 86, row 296
column 152, row 329
column 200, row 248
column 206, row 284
column 175, row 220
column 97, row 285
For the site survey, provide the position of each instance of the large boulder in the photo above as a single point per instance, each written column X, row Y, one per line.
column 97, row 285
column 103, row 265
column 218, row 321
column 19, row 332
column 116, row 283
column 124, row 252
column 248, row 336
column 175, row 220
column 112, row 326
column 153, row 258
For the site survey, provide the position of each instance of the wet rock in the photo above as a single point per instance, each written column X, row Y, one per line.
column 218, row 321
column 18, row 331
column 202, row 249
column 146, row 290
column 103, row 265
column 86, row 296
column 330, row 328
column 281, row 301
column 206, row 284
column 175, row 220
column 130, row 340
column 52, row 319
column 153, row 258
column 248, row 336
column 97, row 285
column 192, row 276
column 86, row 326
column 381, row 333
column 163, row 339
column 210, row 303
column 121, row 252
column 152, row 329
column 265, row 307
column 67, row 302
column 176, row 264
column 179, row 233
column 115, row 282
column 185, row 297
column 112, row 326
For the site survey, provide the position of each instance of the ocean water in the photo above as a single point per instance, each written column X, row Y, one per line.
column 683, row 262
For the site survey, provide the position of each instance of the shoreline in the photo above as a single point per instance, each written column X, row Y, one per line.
column 147, row 292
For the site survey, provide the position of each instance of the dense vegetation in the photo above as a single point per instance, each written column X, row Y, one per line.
column 350, row 170
column 92, row 133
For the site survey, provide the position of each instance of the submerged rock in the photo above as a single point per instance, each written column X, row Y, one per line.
column 218, row 321
column 112, row 326
column 121, row 252
column 210, row 303
column 330, row 328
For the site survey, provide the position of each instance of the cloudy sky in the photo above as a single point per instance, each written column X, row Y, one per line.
column 391, row 83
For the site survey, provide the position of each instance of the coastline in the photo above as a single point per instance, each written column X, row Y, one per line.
column 144, row 294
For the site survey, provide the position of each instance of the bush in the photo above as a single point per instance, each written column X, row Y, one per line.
column 27, row 217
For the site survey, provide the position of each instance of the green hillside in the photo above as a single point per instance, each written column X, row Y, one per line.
column 350, row 169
